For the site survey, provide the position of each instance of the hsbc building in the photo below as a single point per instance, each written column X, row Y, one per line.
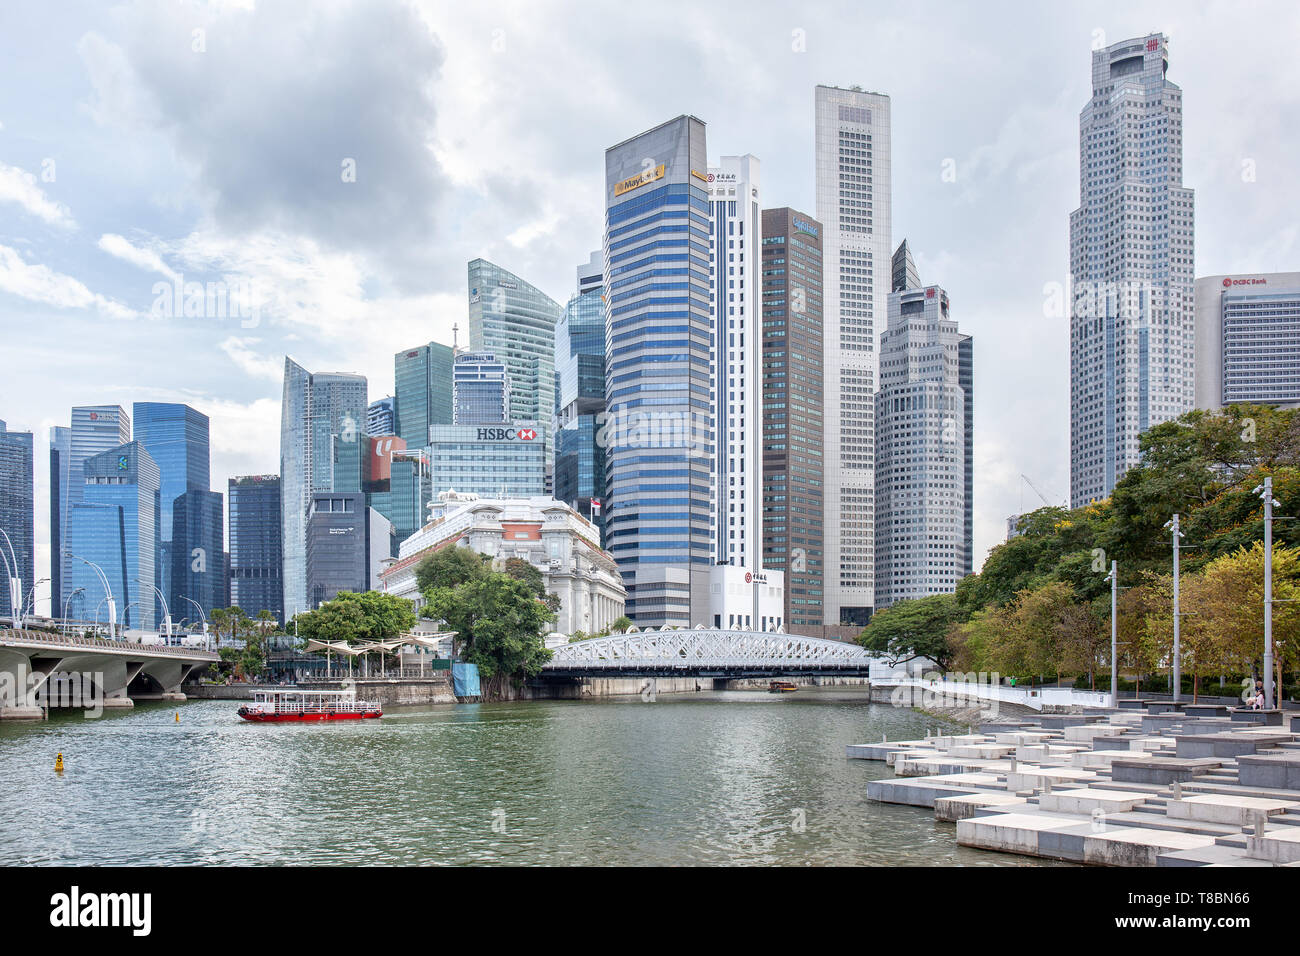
column 507, row 460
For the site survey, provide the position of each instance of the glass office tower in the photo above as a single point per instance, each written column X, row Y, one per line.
column 793, row 396
column 422, row 392
column 190, row 563
column 115, row 525
column 380, row 418
column 322, row 421
column 480, row 390
column 17, row 511
column 580, row 395
column 659, row 431
column 95, row 428
column 515, row 321
column 256, row 550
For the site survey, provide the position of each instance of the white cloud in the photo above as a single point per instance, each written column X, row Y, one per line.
column 39, row 283
column 19, row 186
column 146, row 259
column 250, row 361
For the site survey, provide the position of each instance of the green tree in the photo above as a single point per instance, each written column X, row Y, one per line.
column 449, row 567
column 912, row 629
column 499, row 622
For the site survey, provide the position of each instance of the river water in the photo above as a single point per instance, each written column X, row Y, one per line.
column 735, row 777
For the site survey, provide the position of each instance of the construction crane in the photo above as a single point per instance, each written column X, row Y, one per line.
column 1037, row 492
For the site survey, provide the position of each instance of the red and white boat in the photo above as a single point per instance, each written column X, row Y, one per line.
column 278, row 706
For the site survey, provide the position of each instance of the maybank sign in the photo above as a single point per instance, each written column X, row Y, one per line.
column 804, row 226
column 635, row 182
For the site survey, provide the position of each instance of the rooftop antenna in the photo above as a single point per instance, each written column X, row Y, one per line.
column 455, row 348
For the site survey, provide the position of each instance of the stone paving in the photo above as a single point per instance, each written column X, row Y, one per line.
column 1119, row 787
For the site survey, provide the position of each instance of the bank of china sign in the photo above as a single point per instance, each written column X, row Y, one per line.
column 635, row 182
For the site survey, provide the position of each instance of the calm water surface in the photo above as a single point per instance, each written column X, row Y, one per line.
column 712, row 778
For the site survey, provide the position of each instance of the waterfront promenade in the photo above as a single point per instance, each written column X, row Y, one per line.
column 1139, row 786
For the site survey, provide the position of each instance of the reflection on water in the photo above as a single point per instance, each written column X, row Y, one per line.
column 714, row 778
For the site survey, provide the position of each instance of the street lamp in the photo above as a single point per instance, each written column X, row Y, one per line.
column 15, row 582
column 167, row 614
column 31, row 598
column 124, row 610
column 202, row 616
column 108, row 594
column 1114, row 633
column 67, row 601
column 1178, row 663
column 1265, row 491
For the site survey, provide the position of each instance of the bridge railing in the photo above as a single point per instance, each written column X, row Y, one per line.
column 77, row 640
column 684, row 649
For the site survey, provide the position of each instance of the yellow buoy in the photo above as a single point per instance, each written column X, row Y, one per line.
column 178, row 716
column 58, row 763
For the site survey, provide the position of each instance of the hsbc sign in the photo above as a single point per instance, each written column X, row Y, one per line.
column 506, row 434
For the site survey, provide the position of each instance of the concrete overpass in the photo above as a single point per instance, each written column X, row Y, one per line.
column 39, row 669
column 708, row 652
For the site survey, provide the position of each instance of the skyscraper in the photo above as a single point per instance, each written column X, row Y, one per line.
column 95, row 428
column 422, row 392
column 397, row 483
column 792, row 441
column 17, row 513
column 1132, row 335
column 481, row 392
column 380, row 418
column 114, row 525
column 515, row 321
column 321, row 421
column 580, row 395
column 735, row 232
column 256, row 545
column 197, row 555
column 1248, row 339
column 659, row 432
column 852, row 145
column 60, row 462
column 923, row 450
column 190, row 561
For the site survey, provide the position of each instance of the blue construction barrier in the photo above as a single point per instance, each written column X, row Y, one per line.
column 464, row 679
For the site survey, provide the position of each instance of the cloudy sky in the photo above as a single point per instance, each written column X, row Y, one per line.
column 346, row 159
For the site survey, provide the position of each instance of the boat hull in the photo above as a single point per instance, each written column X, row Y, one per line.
column 258, row 718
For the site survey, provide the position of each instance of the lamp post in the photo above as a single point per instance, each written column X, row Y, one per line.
column 1114, row 633
column 30, row 603
column 97, row 609
column 124, row 610
column 202, row 616
column 68, row 600
column 167, row 614
column 1178, row 662
column 15, row 582
column 108, row 594
column 1269, row 504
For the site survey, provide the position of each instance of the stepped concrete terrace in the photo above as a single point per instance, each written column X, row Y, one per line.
column 1192, row 786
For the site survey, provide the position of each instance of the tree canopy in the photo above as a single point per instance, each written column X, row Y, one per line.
column 1041, row 602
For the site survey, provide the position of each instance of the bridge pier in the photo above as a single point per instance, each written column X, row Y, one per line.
column 40, row 670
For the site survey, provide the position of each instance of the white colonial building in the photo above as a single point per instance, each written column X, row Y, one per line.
column 549, row 534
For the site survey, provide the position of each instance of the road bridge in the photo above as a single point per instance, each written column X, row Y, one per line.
column 708, row 652
column 40, row 669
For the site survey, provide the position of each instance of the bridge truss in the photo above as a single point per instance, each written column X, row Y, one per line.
column 707, row 652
